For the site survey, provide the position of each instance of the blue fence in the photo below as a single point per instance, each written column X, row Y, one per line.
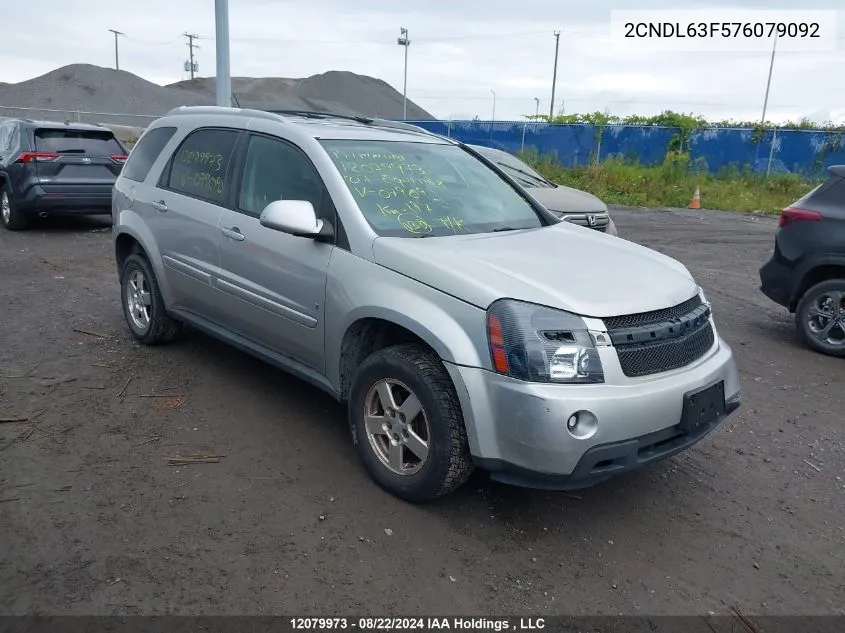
column 798, row 151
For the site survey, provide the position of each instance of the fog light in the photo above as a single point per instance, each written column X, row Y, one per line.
column 572, row 422
column 582, row 425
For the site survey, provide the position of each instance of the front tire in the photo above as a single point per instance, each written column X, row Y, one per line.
column 143, row 305
column 11, row 217
column 407, row 423
column 820, row 317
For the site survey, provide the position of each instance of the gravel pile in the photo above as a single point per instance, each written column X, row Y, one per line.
column 63, row 93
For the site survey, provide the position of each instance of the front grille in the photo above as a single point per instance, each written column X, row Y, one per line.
column 653, row 358
column 656, row 316
column 662, row 340
column 601, row 221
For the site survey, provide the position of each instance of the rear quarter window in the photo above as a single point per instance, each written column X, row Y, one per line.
column 90, row 142
column 146, row 152
column 200, row 165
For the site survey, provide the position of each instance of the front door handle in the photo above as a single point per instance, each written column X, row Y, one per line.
column 160, row 206
column 233, row 233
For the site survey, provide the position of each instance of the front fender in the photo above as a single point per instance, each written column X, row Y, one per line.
column 360, row 289
column 128, row 222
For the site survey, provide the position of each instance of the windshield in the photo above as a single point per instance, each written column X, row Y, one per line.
column 516, row 169
column 408, row 189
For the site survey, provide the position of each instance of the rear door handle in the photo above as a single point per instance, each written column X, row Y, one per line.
column 160, row 206
column 233, row 233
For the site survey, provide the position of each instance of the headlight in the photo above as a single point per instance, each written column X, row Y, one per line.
column 539, row 344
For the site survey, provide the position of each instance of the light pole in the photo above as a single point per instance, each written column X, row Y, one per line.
column 554, row 77
column 223, row 80
column 494, row 104
column 116, row 54
column 769, row 81
column 537, row 111
column 404, row 41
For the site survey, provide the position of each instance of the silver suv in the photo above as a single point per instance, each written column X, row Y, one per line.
column 408, row 276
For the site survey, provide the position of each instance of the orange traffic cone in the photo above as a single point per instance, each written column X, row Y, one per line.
column 696, row 199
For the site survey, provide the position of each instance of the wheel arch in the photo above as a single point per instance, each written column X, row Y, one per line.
column 815, row 271
column 131, row 234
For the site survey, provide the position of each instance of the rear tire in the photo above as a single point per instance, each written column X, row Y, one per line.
column 820, row 317
column 143, row 305
column 391, row 443
column 11, row 217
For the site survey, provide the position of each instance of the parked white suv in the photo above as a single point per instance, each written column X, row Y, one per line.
column 546, row 353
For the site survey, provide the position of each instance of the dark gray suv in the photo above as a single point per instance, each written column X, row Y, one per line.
column 49, row 168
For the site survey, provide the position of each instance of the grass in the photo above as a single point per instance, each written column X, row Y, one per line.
column 673, row 183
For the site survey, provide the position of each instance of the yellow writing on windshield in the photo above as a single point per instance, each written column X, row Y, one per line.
column 414, row 223
column 453, row 223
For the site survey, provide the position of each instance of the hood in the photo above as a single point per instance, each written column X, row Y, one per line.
column 561, row 266
column 567, row 200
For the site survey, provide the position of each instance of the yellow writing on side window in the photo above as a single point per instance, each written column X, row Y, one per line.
column 203, row 181
column 212, row 160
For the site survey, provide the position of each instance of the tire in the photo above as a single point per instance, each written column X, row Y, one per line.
column 143, row 305
column 448, row 463
column 11, row 218
column 811, row 317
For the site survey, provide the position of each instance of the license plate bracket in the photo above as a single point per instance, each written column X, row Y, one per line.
column 703, row 408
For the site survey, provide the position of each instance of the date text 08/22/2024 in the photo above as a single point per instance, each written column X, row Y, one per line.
column 418, row 624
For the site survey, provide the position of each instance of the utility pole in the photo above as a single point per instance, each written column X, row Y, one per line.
column 554, row 77
column 223, row 80
column 769, row 81
column 537, row 111
column 494, row 104
column 404, row 41
column 116, row 52
column 191, row 46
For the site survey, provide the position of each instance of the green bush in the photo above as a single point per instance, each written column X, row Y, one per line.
column 672, row 183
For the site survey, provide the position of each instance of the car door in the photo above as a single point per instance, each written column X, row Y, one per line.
column 183, row 212
column 275, row 283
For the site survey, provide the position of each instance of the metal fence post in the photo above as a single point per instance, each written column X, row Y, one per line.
column 771, row 151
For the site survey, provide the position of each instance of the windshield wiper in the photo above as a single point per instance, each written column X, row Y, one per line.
column 508, row 228
column 525, row 173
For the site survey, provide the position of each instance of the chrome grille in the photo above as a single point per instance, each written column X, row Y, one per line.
column 601, row 220
column 662, row 340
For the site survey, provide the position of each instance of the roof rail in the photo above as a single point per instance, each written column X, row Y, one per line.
column 260, row 114
column 316, row 114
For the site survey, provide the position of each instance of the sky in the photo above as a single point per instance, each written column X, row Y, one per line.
column 467, row 58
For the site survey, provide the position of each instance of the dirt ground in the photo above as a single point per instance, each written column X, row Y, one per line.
column 93, row 519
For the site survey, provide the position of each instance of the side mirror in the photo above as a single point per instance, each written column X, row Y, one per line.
column 295, row 217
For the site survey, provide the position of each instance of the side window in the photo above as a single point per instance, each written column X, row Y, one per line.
column 277, row 170
column 200, row 166
column 145, row 153
column 5, row 136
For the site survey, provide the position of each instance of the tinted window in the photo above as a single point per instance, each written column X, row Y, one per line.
column 276, row 170
column 200, row 166
column 410, row 189
column 145, row 153
column 91, row 142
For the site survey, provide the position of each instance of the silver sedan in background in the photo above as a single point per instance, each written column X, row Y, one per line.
column 573, row 205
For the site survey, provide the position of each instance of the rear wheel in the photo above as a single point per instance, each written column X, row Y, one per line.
column 820, row 317
column 407, row 424
column 143, row 305
column 12, row 218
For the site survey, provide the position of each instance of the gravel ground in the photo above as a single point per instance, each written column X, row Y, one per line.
column 95, row 521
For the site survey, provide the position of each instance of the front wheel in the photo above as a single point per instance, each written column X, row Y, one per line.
column 820, row 317
column 407, row 424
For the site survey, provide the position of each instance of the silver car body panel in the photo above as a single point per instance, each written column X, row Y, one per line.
column 294, row 301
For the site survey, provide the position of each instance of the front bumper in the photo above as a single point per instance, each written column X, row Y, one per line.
column 518, row 430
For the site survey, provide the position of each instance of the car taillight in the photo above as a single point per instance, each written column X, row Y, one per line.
column 792, row 214
column 119, row 158
column 32, row 157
